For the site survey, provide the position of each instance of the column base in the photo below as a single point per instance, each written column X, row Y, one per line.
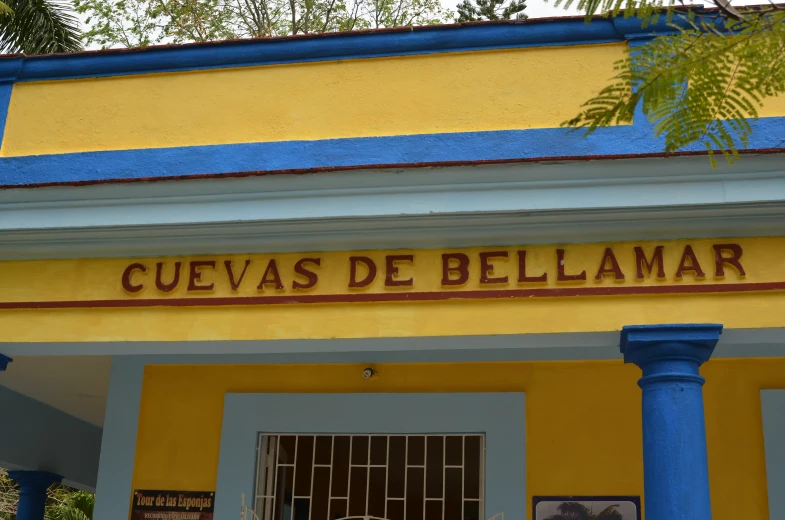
column 32, row 495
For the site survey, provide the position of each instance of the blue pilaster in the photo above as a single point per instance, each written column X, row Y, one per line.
column 675, row 464
column 32, row 492
column 4, row 360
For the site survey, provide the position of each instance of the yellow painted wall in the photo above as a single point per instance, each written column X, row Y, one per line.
column 397, row 319
column 772, row 107
column 583, row 420
column 503, row 89
column 433, row 93
column 100, row 279
column 763, row 259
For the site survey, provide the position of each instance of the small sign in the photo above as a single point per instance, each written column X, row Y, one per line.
column 172, row 505
column 569, row 507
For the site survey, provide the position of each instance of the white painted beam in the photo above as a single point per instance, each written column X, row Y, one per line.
column 436, row 207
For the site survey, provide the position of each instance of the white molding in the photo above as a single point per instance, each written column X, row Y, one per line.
column 448, row 206
column 733, row 343
column 393, row 232
column 118, row 442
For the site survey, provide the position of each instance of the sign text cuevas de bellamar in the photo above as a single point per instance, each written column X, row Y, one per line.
column 454, row 269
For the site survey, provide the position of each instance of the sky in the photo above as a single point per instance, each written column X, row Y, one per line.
column 543, row 9
column 535, row 9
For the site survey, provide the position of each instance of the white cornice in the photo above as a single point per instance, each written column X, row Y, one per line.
column 450, row 206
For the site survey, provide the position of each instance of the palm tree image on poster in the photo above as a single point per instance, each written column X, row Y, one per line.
column 586, row 508
column 578, row 511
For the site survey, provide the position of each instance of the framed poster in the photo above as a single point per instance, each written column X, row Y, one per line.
column 172, row 505
column 586, row 508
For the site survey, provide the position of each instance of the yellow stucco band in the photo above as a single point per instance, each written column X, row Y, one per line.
column 583, row 420
column 138, row 299
column 398, row 319
column 436, row 93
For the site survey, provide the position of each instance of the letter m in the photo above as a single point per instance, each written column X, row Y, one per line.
column 641, row 262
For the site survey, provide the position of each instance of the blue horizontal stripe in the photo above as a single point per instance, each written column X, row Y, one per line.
column 331, row 46
column 5, row 100
column 199, row 61
column 339, row 153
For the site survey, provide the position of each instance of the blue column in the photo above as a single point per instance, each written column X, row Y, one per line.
column 32, row 493
column 675, row 464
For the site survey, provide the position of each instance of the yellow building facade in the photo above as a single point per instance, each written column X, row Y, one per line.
column 224, row 265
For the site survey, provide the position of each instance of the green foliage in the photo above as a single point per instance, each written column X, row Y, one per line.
column 38, row 27
column 69, row 504
column 9, row 494
column 578, row 511
column 491, row 10
column 700, row 85
column 646, row 10
column 136, row 23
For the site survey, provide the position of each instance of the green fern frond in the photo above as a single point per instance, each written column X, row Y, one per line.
column 698, row 85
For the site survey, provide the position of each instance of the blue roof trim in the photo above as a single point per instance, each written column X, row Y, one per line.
column 201, row 61
column 5, row 101
column 409, row 150
column 331, row 46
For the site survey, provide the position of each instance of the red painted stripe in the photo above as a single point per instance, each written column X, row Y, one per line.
column 403, row 296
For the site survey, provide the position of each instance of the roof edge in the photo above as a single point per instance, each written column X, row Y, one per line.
column 383, row 166
column 330, row 46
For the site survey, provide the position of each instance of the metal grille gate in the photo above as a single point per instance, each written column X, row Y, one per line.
column 394, row 477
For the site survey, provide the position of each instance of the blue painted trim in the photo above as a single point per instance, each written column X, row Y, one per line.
column 4, row 360
column 5, row 101
column 647, row 344
column 32, row 492
column 171, row 64
column 675, row 461
column 35, row 479
column 332, row 46
column 405, row 150
column 501, row 416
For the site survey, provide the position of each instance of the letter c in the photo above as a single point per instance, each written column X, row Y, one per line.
column 129, row 271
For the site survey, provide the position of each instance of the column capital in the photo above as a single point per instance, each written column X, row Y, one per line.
column 643, row 344
column 35, row 479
